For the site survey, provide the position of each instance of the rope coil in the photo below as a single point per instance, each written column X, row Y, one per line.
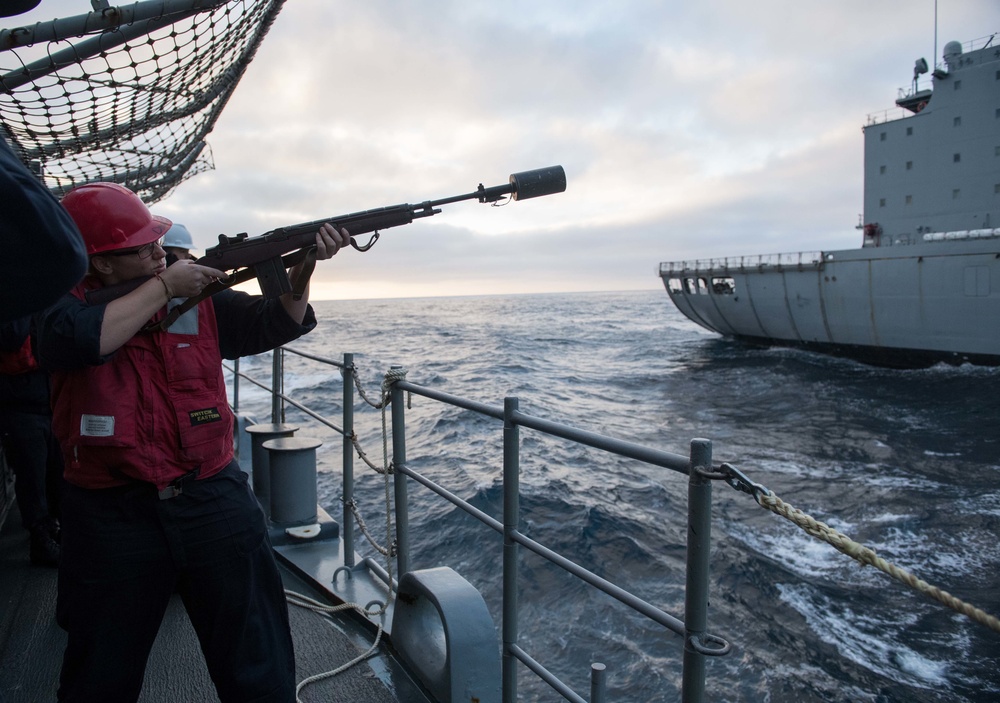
column 302, row 601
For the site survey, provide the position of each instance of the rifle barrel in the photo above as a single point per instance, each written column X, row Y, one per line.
column 233, row 252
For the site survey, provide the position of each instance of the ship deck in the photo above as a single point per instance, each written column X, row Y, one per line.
column 31, row 644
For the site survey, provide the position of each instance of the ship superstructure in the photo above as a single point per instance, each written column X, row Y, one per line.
column 937, row 169
column 927, row 276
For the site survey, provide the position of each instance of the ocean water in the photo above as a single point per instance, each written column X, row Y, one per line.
column 904, row 462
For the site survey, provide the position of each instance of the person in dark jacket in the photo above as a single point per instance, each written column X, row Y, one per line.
column 43, row 254
column 154, row 501
column 29, row 446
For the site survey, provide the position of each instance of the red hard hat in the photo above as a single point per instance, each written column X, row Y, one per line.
column 111, row 217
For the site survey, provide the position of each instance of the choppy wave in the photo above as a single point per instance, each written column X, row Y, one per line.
column 907, row 462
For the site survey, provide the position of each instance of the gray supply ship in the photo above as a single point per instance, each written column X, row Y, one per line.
column 925, row 285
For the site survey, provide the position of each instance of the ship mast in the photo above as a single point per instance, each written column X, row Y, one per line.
column 934, row 55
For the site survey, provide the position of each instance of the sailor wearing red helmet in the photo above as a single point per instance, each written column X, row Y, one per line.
column 154, row 501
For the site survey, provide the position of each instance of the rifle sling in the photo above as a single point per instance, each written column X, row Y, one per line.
column 209, row 290
column 302, row 279
column 308, row 257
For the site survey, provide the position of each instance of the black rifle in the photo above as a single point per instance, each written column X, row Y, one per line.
column 267, row 256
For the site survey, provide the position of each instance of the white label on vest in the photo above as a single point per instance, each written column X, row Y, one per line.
column 186, row 323
column 97, row 426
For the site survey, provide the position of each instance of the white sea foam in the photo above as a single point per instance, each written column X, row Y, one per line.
column 867, row 640
column 793, row 548
column 985, row 504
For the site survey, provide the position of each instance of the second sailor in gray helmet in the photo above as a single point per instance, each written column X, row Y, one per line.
column 177, row 242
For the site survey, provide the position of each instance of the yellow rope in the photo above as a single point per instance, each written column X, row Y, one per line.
column 865, row 555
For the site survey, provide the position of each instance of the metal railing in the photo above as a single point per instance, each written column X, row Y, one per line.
column 758, row 262
column 698, row 643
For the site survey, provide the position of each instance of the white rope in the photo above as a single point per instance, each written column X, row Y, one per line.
column 302, row 601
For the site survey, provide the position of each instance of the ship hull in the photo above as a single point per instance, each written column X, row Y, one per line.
column 906, row 306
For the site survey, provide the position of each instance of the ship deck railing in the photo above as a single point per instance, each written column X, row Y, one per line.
column 808, row 260
column 758, row 262
column 692, row 630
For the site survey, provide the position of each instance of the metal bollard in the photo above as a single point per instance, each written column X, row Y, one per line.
column 260, row 459
column 293, row 480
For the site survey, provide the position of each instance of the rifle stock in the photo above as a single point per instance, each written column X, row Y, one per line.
column 268, row 255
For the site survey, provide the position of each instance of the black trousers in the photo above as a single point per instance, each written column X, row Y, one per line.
column 125, row 552
column 34, row 455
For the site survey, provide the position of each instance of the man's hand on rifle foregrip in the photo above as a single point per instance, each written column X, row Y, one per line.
column 329, row 241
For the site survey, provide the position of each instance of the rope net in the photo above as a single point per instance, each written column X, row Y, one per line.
column 128, row 94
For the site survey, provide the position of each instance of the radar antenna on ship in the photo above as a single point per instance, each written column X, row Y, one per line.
column 126, row 94
column 916, row 100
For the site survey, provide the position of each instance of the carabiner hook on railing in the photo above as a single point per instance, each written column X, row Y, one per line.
column 736, row 479
column 739, row 480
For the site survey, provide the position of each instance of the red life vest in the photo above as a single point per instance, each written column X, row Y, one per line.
column 18, row 362
column 155, row 411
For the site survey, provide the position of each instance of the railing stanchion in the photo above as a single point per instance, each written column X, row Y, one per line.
column 399, row 480
column 699, row 542
column 511, row 512
column 236, row 387
column 347, row 524
column 598, row 676
column 277, row 386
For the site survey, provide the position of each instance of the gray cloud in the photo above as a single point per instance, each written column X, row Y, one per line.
column 687, row 130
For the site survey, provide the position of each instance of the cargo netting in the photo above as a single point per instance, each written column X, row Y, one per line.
column 126, row 94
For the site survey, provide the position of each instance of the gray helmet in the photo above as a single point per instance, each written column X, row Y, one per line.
column 178, row 236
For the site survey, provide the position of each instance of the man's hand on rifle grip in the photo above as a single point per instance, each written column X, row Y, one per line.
column 187, row 279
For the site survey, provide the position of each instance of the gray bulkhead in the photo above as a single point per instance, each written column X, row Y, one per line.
column 937, row 170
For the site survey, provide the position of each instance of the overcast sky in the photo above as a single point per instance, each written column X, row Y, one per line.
column 686, row 129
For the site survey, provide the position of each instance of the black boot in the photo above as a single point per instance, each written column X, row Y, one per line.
column 44, row 550
column 51, row 526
